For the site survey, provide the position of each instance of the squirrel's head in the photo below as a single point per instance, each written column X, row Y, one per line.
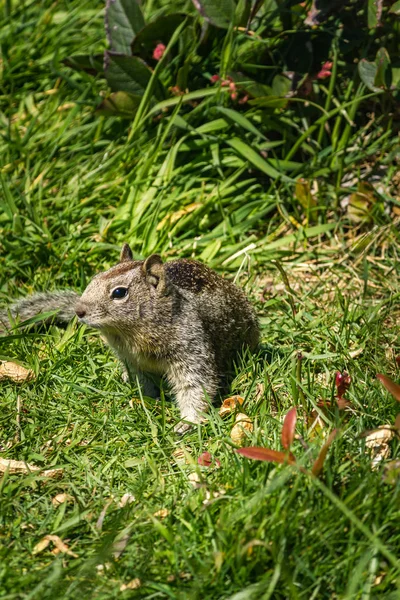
column 126, row 295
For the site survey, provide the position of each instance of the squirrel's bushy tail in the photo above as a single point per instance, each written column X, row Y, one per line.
column 31, row 306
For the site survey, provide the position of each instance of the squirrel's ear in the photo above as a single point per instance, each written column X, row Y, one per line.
column 126, row 254
column 153, row 269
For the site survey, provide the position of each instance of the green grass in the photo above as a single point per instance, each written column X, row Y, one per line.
column 273, row 527
column 74, row 186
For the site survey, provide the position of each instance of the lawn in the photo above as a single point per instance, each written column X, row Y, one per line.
column 131, row 510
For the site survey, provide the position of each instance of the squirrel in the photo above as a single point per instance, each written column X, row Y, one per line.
column 179, row 319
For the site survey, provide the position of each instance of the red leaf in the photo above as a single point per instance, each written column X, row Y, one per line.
column 341, row 403
column 397, row 423
column 258, row 453
column 342, row 381
column 289, row 426
column 391, row 386
column 319, row 463
column 206, row 460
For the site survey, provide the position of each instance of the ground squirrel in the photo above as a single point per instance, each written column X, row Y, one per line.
column 179, row 319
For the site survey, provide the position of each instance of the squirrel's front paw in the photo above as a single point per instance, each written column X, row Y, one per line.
column 190, row 421
column 182, row 428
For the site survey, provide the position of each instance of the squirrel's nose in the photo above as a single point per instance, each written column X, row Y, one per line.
column 80, row 312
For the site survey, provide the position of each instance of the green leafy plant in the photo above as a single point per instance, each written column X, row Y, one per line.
column 259, row 84
column 380, row 75
column 244, row 46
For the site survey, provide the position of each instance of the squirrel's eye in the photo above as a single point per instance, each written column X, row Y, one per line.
column 119, row 293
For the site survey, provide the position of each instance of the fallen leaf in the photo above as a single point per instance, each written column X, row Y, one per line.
column 355, row 353
column 10, row 370
column 162, row 513
column 376, row 437
column 182, row 456
column 42, row 545
column 242, row 427
column 389, row 354
column 288, row 429
column 62, row 547
column 60, row 499
column 19, row 466
column 132, row 585
column 230, row 405
column 260, row 391
column 59, row 544
column 259, row 453
column 319, row 463
column 126, row 499
column 379, row 455
column 194, row 480
column 377, row 441
column 391, row 386
column 207, row 460
column 121, row 542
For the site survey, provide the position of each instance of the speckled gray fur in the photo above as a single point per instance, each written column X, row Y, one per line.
column 27, row 308
column 179, row 319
